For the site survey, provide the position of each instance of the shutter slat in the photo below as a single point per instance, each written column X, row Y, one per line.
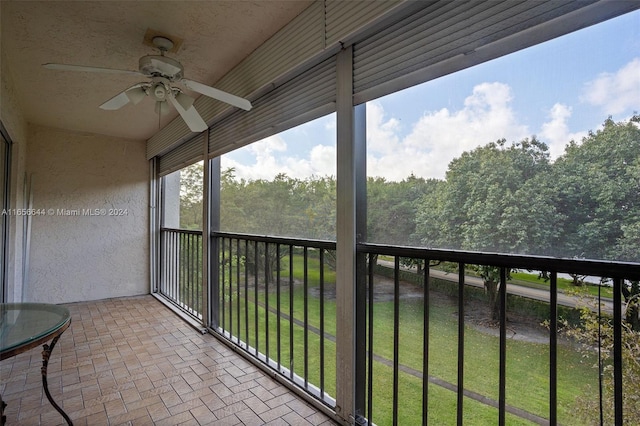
column 184, row 155
column 441, row 32
column 312, row 91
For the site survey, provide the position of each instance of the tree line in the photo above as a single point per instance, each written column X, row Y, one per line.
column 500, row 197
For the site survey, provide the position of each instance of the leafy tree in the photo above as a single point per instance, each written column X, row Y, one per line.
column 284, row 206
column 232, row 213
column 598, row 187
column 191, row 194
column 392, row 207
column 485, row 204
column 319, row 197
column 491, row 278
column 591, row 332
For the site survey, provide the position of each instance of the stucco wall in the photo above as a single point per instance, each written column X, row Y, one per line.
column 15, row 124
column 92, row 241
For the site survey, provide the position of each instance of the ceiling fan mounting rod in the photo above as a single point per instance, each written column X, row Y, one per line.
column 163, row 44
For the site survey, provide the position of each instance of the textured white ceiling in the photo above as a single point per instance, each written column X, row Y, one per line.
column 216, row 36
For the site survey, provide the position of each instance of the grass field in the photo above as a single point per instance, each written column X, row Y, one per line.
column 533, row 279
column 527, row 363
column 564, row 285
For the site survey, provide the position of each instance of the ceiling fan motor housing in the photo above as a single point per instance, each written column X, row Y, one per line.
column 161, row 66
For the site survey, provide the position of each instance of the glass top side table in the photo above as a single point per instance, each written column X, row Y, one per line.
column 24, row 326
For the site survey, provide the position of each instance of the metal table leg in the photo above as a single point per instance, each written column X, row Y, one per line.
column 46, row 353
column 3, row 418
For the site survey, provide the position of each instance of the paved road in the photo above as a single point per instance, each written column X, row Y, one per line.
column 531, row 293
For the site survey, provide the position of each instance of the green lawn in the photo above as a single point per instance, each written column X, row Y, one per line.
column 528, row 279
column 564, row 285
column 527, row 363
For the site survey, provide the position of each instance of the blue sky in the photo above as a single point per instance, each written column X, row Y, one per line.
column 557, row 91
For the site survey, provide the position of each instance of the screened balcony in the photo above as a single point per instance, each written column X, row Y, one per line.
column 338, row 313
column 276, row 304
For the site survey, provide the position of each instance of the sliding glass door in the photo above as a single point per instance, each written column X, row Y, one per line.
column 5, row 162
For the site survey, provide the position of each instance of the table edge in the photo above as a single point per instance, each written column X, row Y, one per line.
column 35, row 342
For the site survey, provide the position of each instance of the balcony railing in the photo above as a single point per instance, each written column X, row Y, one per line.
column 275, row 300
column 181, row 269
column 270, row 297
column 421, row 381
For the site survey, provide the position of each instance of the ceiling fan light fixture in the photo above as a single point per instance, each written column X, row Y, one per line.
column 136, row 94
column 159, row 92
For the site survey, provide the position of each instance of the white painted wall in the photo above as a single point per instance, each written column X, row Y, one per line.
column 76, row 256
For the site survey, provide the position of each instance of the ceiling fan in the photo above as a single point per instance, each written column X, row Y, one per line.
column 163, row 72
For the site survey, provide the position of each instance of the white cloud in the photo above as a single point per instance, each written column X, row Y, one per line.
column 270, row 159
column 427, row 148
column 323, row 158
column 381, row 135
column 440, row 136
column 616, row 92
column 555, row 132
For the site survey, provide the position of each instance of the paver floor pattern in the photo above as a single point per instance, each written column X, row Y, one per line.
column 131, row 361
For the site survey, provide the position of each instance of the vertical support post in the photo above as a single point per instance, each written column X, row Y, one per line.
column 206, row 229
column 360, row 142
column 154, row 225
column 553, row 349
column 459, row 409
column 305, row 313
column 278, row 312
column 396, row 337
column 370, row 344
column 350, row 373
column 211, row 256
column 617, row 351
column 425, row 343
column 503, row 348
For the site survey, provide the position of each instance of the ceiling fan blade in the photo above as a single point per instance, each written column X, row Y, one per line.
column 136, row 94
column 217, row 94
column 117, row 102
column 190, row 115
column 66, row 67
column 133, row 94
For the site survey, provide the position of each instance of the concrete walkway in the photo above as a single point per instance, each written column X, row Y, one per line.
column 518, row 290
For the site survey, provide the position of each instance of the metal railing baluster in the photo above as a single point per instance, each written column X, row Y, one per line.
column 306, row 316
column 396, row 336
column 291, row 313
column 278, row 311
column 425, row 345
column 267, row 272
column 460, row 396
column 502, row 381
column 321, row 258
column 238, row 309
column 553, row 348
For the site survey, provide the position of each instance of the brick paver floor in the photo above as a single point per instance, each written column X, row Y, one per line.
column 133, row 361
